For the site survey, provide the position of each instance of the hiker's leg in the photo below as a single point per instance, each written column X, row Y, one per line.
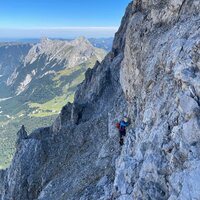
column 121, row 140
column 124, row 132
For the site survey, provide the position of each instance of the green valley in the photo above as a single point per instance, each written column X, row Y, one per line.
column 44, row 82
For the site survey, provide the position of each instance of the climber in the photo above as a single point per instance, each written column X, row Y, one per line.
column 121, row 126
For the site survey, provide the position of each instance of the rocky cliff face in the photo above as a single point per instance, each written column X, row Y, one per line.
column 11, row 57
column 152, row 75
column 160, row 77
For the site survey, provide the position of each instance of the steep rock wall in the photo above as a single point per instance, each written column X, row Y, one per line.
column 160, row 77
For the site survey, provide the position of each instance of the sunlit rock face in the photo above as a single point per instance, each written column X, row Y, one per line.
column 160, row 77
column 151, row 75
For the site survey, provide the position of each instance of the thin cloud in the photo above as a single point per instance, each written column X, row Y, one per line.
column 66, row 32
column 77, row 28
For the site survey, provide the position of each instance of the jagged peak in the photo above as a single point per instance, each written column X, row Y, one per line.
column 60, row 50
column 81, row 38
column 44, row 39
column 21, row 134
column 81, row 41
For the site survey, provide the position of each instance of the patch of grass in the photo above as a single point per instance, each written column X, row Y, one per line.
column 49, row 108
column 91, row 62
column 41, row 114
column 78, row 80
column 65, row 72
column 70, row 98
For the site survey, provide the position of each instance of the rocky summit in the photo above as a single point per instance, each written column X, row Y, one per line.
column 152, row 76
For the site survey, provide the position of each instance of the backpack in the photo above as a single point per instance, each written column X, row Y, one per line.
column 117, row 125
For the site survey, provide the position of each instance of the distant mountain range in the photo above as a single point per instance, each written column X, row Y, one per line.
column 103, row 43
column 36, row 80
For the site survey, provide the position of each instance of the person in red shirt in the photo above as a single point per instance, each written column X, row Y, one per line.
column 122, row 129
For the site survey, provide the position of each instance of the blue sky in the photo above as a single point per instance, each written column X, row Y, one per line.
column 60, row 18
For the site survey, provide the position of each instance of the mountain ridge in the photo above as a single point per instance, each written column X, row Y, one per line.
column 43, row 81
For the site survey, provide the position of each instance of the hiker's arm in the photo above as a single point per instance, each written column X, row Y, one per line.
column 127, row 124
